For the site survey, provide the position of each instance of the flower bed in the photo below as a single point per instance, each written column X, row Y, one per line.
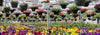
column 55, row 29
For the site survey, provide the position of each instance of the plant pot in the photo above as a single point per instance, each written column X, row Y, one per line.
column 84, row 19
column 27, row 14
column 88, row 15
column 75, row 11
column 6, row 10
column 75, row 19
column 80, row 2
column 1, row 2
column 63, row 6
column 23, row 7
column 1, row 15
column 12, row 10
column 7, row 15
column 56, row 13
column 86, row 4
column 89, row 18
column 33, row 9
column 71, row 19
column 93, row 19
column 17, row 15
column 14, row 4
column 97, row 11
column 40, row 13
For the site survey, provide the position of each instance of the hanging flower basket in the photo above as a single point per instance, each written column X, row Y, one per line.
column 62, row 15
column 12, row 10
column 7, row 14
column 63, row 5
column 1, row 2
column 31, row 16
column 34, row 7
column 93, row 13
column 74, row 15
column 1, row 14
column 27, row 12
column 40, row 11
column 51, row 15
column 6, row 9
column 69, row 11
column 83, row 10
column 87, row 2
column 97, row 7
column 56, row 11
column 23, row 7
column 74, row 9
column 80, row 2
column 17, row 13
column 14, row 4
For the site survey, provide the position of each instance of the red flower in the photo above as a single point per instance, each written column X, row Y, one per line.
column 51, row 15
column 40, row 15
column 31, row 15
column 47, row 0
column 98, row 5
column 57, row 29
column 83, row 9
column 94, row 13
column 99, row 30
column 73, row 14
column 69, row 10
column 62, row 14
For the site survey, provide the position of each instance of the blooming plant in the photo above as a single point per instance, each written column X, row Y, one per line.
column 69, row 11
column 33, row 7
column 56, row 11
column 6, row 9
column 47, row 1
column 27, row 12
column 17, row 13
column 40, row 11
column 83, row 10
column 14, row 4
column 74, row 9
column 23, row 7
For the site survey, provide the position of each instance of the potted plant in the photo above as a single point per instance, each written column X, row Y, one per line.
column 56, row 11
column 63, row 5
column 34, row 7
column 17, row 13
column 69, row 11
column 14, row 4
column 23, row 7
column 12, row 10
column 83, row 10
column 74, row 9
column 7, row 14
column 31, row 16
column 47, row 1
column 80, row 2
column 84, row 19
column 98, row 18
column 74, row 15
column 97, row 7
column 93, row 19
column 87, row 2
column 93, row 13
column 40, row 11
column 6, row 9
column 1, row 14
column 89, row 14
column 1, row 2
column 51, row 15
column 62, row 15
column 27, row 12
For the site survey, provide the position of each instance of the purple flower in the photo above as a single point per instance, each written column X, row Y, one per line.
column 84, row 31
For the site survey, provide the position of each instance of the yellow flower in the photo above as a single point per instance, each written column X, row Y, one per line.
column 74, row 34
column 90, row 31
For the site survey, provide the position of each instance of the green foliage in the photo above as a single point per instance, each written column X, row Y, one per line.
column 14, row 4
column 87, row 0
column 23, row 7
column 56, row 10
column 45, row 2
column 6, row 9
column 97, row 16
column 63, row 3
column 74, row 8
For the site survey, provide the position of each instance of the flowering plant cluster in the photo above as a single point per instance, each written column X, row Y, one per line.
column 83, row 10
column 47, row 1
column 33, row 7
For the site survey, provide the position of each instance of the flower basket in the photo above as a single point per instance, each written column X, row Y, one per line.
column 56, row 11
column 1, row 2
column 83, row 10
column 12, row 10
column 80, row 2
column 31, row 16
column 51, row 15
column 63, row 5
column 87, row 2
column 6, row 9
column 27, row 12
column 84, row 19
column 74, row 15
column 23, row 7
column 14, row 4
column 97, row 7
column 93, row 13
column 74, row 9
column 89, row 18
column 40, row 11
column 7, row 14
column 17, row 13
column 34, row 7
column 69, row 11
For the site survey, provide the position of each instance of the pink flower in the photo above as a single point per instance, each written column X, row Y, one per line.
column 51, row 5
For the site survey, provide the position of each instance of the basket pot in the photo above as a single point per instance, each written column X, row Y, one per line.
column 1, row 15
column 97, row 11
column 40, row 13
column 7, row 15
column 63, row 6
column 84, row 19
column 17, row 15
column 14, row 5
column 86, row 4
column 88, row 15
column 33, row 9
column 27, row 14
column 1, row 2
column 75, row 11
column 80, row 2
column 12, row 10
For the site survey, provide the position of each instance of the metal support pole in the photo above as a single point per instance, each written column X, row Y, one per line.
column 48, row 18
